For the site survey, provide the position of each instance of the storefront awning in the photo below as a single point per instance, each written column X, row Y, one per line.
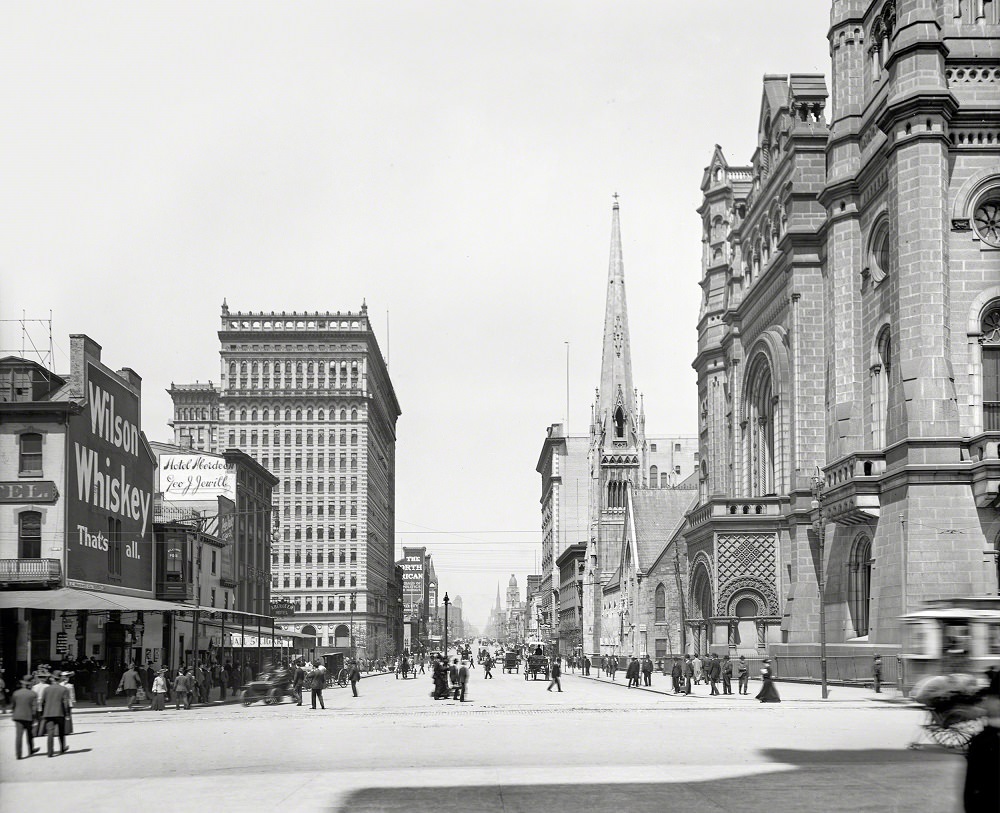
column 69, row 598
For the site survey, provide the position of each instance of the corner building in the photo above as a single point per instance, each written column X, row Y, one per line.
column 850, row 325
column 308, row 396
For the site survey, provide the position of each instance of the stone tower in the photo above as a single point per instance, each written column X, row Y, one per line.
column 617, row 442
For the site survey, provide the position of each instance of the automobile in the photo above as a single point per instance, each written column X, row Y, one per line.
column 271, row 687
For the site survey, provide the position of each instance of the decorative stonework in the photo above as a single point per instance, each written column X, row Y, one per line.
column 746, row 561
column 972, row 74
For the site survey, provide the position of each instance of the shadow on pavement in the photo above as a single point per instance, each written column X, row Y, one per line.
column 878, row 780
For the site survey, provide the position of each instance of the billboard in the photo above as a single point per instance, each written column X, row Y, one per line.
column 109, row 500
column 413, row 584
column 196, row 477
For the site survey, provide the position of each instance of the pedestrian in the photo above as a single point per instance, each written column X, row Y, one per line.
column 768, row 691
column 41, row 682
column 317, row 682
column 743, row 675
column 604, row 665
column 99, row 685
column 877, row 672
column 632, row 673
column 3, row 693
column 488, row 667
column 55, row 706
column 130, row 684
column 586, row 666
column 453, row 673
column 699, row 669
column 463, row 681
column 556, row 672
column 982, row 776
column 714, row 669
column 159, row 690
column 689, row 673
column 354, row 677
column 727, row 675
column 298, row 681
column 64, row 679
column 676, row 674
column 24, row 709
column 647, row 671
column 180, row 691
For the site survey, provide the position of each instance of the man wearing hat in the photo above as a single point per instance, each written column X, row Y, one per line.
column 24, row 706
column 40, row 682
column 55, row 707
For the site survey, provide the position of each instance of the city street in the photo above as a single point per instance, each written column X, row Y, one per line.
column 512, row 747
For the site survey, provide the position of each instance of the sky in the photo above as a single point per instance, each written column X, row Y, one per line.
column 451, row 164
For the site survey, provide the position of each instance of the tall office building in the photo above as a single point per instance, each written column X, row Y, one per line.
column 308, row 395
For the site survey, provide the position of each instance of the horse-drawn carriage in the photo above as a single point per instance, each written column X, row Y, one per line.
column 511, row 662
column 537, row 661
column 949, row 647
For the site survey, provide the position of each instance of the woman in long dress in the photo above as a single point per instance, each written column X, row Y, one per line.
column 768, row 693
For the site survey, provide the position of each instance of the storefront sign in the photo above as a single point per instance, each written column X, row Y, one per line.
column 264, row 641
column 196, row 477
column 282, row 609
column 62, row 643
column 28, row 492
column 110, row 489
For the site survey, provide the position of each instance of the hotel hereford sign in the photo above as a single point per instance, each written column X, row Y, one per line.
column 28, row 492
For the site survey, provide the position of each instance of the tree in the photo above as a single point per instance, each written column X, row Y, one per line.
column 382, row 645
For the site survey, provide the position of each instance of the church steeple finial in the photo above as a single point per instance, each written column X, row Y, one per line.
column 616, row 399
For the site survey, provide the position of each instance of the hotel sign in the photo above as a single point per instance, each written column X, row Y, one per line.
column 28, row 492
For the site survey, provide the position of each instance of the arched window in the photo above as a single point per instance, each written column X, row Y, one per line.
column 661, row 604
column 354, row 414
column 759, row 431
column 243, row 414
column 298, row 414
column 253, row 414
column 619, row 423
column 29, row 535
column 232, row 415
column 288, row 414
column 654, row 477
column 320, row 415
column 701, row 594
column 860, row 585
column 990, row 341
column 880, row 372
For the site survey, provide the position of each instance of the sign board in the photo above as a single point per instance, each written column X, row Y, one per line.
column 196, row 478
column 238, row 640
column 282, row 609
column 109, row 500
column 28, row 492
column 62, row 643
column 227, row 534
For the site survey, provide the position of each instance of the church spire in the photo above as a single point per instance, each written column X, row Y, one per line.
column 616, row 401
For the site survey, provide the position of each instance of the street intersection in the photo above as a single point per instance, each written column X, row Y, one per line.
column 513, row 746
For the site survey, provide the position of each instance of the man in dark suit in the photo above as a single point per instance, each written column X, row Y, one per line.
column 55, row 705
column 676, row 675
column 714, row 673
column 647, row 671
column 24, row 702
column 632, row 673
column 688, row 673
column 727, row 675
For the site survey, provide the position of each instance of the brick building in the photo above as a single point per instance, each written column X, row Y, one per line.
column 849, row 327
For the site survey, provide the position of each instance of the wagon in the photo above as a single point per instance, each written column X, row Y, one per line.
column 511, row 662
column 536, row 665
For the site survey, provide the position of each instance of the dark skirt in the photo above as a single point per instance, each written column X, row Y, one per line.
column 768, row 692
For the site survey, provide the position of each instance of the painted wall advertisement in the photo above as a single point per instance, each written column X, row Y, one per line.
column 196, row 477
column 413, row 585
column 110, row 491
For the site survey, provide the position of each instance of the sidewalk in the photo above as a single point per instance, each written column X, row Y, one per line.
column 119, row 702
column 790, row 692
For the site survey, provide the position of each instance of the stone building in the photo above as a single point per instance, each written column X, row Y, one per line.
column 564, row 467
column 849, row 329
column 308, row 396
column 622, row 458
column 196, row 415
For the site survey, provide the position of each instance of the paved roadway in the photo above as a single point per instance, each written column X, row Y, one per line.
column 512, row 747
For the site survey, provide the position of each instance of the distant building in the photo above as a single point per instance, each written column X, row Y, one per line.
column 570, row 565
column 196, row 415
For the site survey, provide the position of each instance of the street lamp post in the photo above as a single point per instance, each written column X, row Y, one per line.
column 819, row 526
column 447, row 601
column 353, row 597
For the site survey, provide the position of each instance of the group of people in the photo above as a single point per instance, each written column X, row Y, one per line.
column 42, row 705
column 711, row 670
column 449, row 680
column 189, row 684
